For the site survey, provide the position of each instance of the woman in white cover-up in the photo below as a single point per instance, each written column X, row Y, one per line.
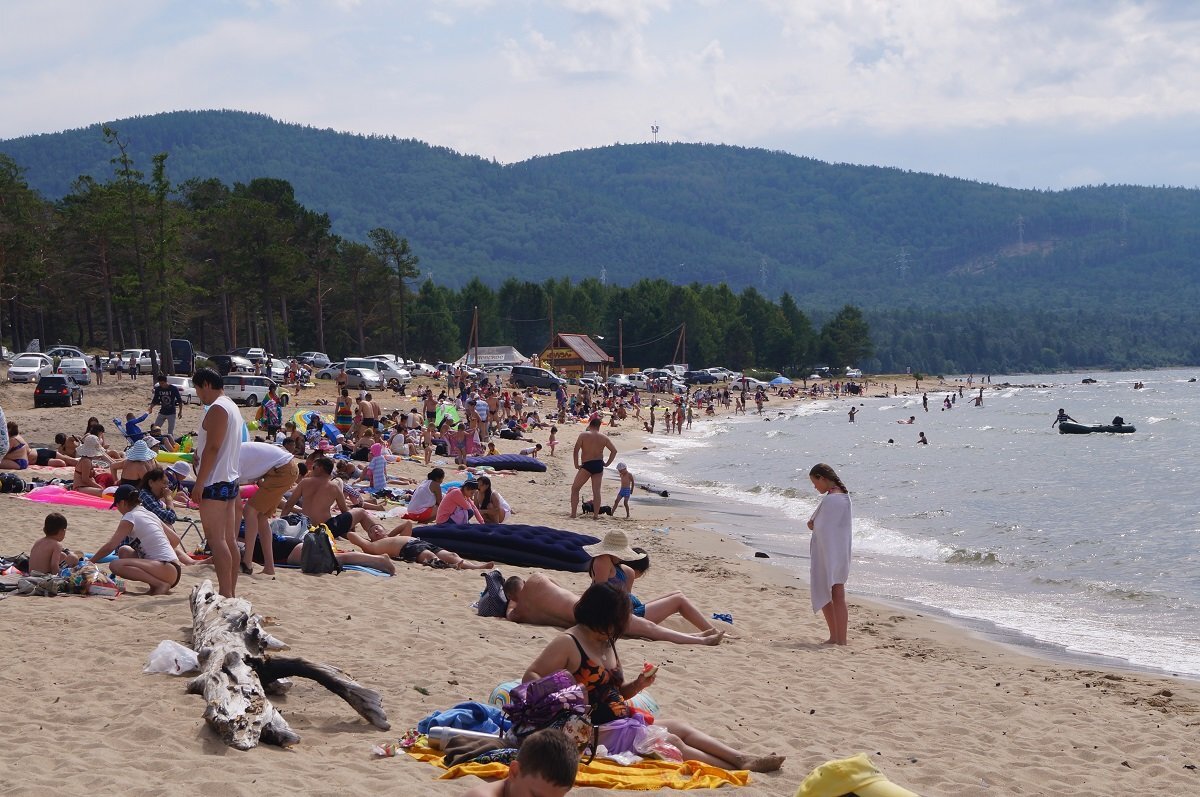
column 829, row 551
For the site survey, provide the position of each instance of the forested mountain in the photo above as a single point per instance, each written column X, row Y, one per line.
column 951, row 274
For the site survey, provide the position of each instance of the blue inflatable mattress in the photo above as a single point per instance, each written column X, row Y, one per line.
column 524, row 546
column 508, row 462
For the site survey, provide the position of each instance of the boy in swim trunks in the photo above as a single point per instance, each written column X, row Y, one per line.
column 626, row 490
column 48, row 555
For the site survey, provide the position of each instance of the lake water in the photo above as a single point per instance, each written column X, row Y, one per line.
column 1088, row 543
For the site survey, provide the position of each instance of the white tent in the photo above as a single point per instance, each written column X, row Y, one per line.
column 492, row 355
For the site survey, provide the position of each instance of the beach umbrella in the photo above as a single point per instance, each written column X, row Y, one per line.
column 781, row 380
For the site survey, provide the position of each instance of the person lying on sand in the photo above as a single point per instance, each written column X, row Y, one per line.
column 588, row 651
column 540, row 601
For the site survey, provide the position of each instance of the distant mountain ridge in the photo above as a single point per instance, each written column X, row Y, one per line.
column 827, row 233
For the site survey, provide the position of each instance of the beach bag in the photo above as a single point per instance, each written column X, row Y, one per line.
column 554, row 701
column 492, row 601
column 11, row 483
column 317, row 557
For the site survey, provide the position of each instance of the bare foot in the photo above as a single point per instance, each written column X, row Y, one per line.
column 247, row 569
column 762, row 763
column 713, row 639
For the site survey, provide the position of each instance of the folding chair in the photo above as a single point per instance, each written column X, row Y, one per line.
column 192, row 525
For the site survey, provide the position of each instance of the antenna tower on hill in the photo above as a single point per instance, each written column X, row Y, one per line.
column 1020, row 230
column 604, row 275
column 654, row 131
column 762, row 273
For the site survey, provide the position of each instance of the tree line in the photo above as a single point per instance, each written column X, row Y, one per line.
column 132, row 261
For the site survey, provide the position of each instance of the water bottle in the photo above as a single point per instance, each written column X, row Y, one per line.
column 439, row 735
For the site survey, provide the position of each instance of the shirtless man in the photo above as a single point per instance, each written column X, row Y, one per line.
column 319, row 492
column 540, row 601
column 590, row 464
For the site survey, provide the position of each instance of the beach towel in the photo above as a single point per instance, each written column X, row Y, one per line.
column 604, row 774
column 469, row 716
column 358, row 568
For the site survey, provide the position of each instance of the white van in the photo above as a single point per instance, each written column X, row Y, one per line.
column 251, row 390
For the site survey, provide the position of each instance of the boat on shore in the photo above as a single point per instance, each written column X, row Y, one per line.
column 1069, row 427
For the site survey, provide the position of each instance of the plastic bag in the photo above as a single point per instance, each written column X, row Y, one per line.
column 652, row 743
column 172, row 658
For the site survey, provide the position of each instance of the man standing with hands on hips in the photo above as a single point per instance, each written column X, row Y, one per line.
column 216, row 492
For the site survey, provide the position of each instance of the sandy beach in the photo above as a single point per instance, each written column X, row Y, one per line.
column 939, row 710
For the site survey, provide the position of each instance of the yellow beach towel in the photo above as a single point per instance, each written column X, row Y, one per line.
column 642, row 776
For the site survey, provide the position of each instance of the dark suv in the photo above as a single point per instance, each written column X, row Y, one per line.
column 698, row 378
column 58, row 390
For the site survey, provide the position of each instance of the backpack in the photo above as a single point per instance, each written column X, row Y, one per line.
column 492, row 601
column 317, row 556
column 12, row 483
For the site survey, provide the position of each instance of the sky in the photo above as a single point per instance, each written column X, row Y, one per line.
column 1049, row 94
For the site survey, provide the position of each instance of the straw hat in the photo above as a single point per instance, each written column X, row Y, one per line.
column 139, row 452
column 855, row 775
column 615, row 543
column 90, row 447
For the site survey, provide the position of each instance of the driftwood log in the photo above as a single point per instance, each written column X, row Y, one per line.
column 238, row 672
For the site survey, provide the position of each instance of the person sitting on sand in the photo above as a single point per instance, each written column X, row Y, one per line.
column 17, row 456
column 139, row 460
column 422, row 507
column 91, row 458
column 614, row 562
column 319, row 493
column 457, row 505
column 588, row 651
column 545, row 767
column 153, row 561
column 66, row 447
column 48, row 555
column 538, row 600
column 491, row 504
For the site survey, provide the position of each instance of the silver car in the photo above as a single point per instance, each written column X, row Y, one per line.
column 76, row 368
column 363, row 379
column 30, row 367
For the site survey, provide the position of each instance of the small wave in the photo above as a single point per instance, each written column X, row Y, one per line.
column 962, row 556
column 1103, row 588
column 1153, row 419
column 777, row 433
column 926, row 514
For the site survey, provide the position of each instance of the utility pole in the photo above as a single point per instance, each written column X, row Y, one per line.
column 1020, row 230
column 475, row 333
column 550, row 348
column 654, row 131
column 621, row 344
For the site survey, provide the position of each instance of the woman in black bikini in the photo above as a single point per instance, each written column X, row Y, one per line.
column 588, row 651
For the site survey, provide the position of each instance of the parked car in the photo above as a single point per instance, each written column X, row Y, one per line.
column 141, row 355
column 699, row 378
column 278, row 369
column 57, row 390
column 60, row 352
column 317, row 359
column 393, row 375
column 76, row 368
column 492, row 370
column 638, row 381
column 251, row 390
column 231, row 364
column 532, row 376
column 423, row 369
column 619, row 380
column 363, row 379
column 723, row 374
column 853, row 373
column 30, row 367
column 252, row 353
column 588, row 382
column 750, row 383
column 186, row 388
column 330, row 371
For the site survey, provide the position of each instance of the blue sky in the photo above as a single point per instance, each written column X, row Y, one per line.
column 1031, row 94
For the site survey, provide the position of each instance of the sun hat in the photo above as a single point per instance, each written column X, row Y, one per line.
column 855, row 775
column 139, row 452
column 90, row 447
column 124, row 493
column 615, row 543
column 180, row 469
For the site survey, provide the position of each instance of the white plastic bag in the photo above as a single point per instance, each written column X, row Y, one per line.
column 172, row 658
column 652, row 743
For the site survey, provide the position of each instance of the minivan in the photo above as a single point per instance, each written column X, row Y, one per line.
column 250, row 390
column 532, row 376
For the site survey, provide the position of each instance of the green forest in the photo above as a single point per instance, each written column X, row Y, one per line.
column 234, row 229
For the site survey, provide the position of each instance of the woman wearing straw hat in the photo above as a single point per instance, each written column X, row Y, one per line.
column 91, row 456
column 608, row 567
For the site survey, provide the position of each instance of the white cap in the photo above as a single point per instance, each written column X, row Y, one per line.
column 620, row 466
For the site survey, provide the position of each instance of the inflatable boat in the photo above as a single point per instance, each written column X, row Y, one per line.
column 1068, row 427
